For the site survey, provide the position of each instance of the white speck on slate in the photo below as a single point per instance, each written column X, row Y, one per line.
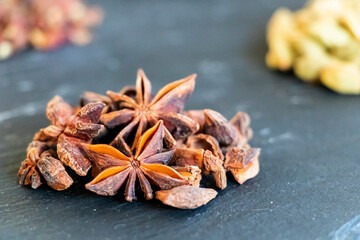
column 282, row 137
column 265, row 131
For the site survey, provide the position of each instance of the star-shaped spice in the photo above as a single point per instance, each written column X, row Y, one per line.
column 147, row 165
column 243, row 163
column 143, row 110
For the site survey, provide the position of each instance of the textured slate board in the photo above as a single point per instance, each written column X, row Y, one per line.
column 309, row 182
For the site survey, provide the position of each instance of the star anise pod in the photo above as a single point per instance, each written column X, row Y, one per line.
column 148, row 165
column 143, row 110
column 81, row 128
column 243, row 163
column 40, row 161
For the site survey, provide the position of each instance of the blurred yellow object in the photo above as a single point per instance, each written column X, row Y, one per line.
column 320, row 42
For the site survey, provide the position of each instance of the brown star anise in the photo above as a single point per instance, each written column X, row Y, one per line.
column 147, row 165
column 143, row 110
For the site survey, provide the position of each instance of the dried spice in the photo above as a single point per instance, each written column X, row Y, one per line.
column 132, row 140
column 186, row 197
column 148, row 165
column 144, row 110
column 40, row 161
column 243, row 163
column 320, row 42
column 82, row 128
column 45, row 24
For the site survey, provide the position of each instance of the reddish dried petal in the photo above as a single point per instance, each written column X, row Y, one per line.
column 117, row 118
column 161, row 158
column 173, row 96
column 241, row 121
column 240, row 157
column 188, row 156
column 102, row 160
column 163, row 181
column 206, row 142
column 35, row 149
column 110, row 185
column 24, row 169
column 169, row 140
column 70, row 152
column 35, row 179
column 54, row 172
column 58, row 111
column 90, row 113
column 124, row 133
column 186, row 197
column 91, row 97
column 140, row 130
column 122, row 101
column 145, row 185
column 130, row 187
column 220, row 178
column 214, row 165
column 151, row 142
column 50, row 133
column 191, row 173
column 251, row 171
column 218, row 127
column 84, row 124
column 179, row 125
column 198, row 116
column 143, row 88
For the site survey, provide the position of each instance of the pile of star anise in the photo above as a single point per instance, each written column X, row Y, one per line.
column 131, row 139
column 44, row 24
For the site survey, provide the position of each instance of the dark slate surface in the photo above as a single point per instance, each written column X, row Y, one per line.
column 308, row 187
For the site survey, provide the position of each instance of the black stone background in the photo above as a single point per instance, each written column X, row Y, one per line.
column 308, row 186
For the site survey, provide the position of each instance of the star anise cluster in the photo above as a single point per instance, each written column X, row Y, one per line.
column 45, row 24
column 133, row 140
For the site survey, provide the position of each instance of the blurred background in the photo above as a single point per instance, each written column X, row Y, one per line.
column 309, row 180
